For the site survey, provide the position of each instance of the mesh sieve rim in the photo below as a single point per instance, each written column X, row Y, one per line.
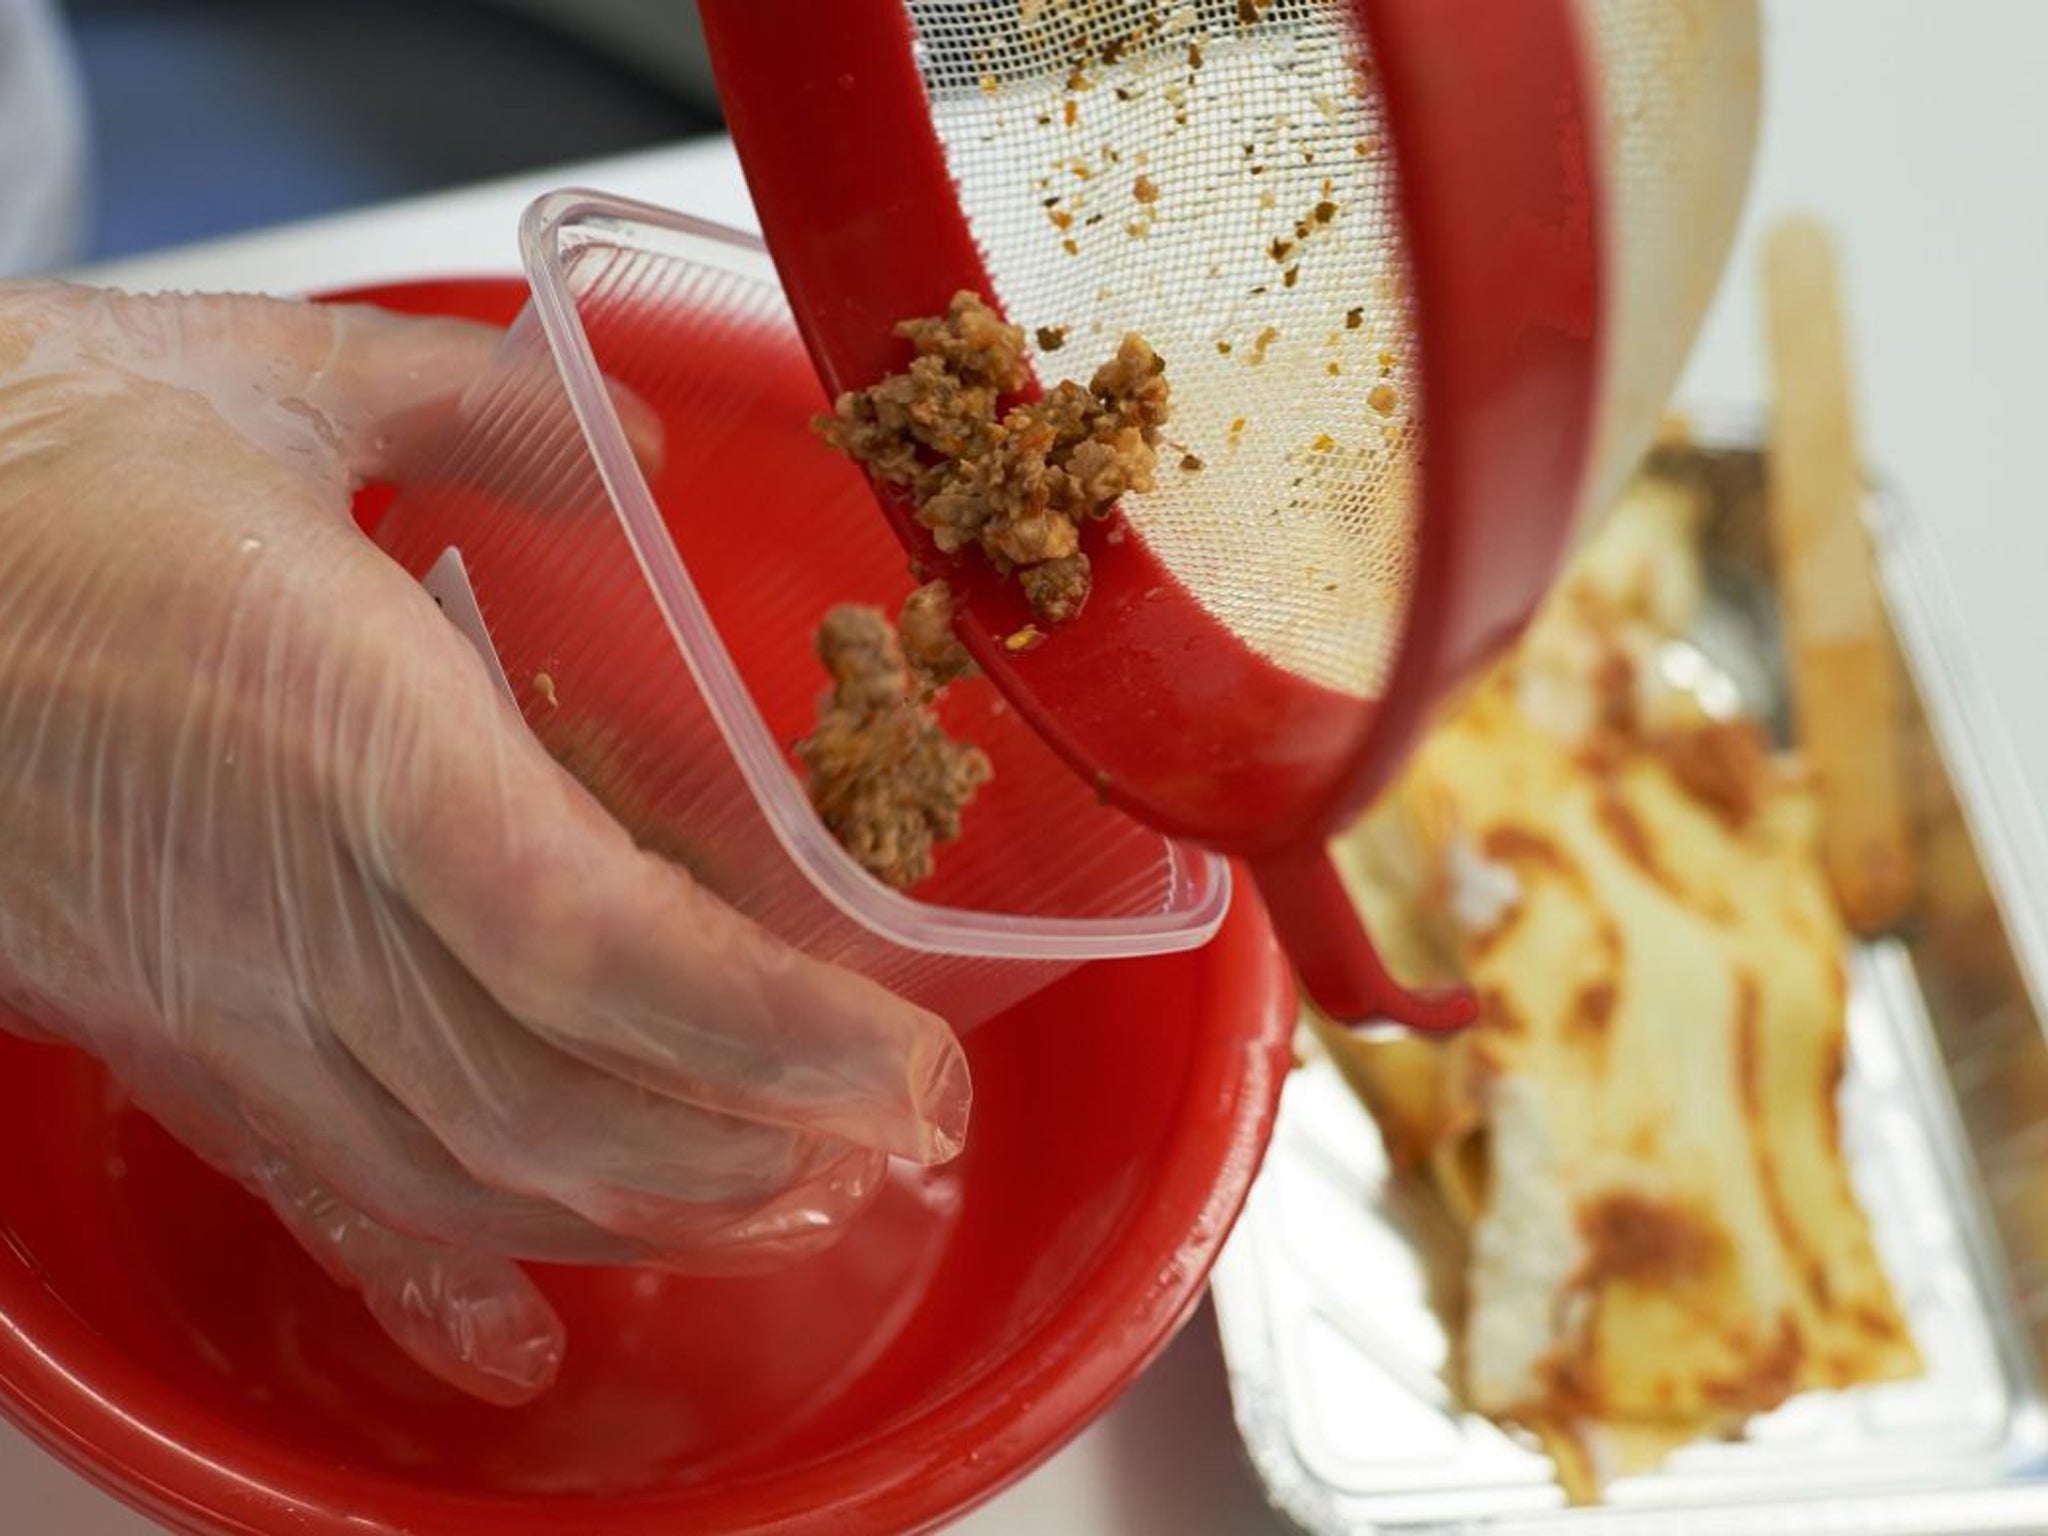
column 1490, row 111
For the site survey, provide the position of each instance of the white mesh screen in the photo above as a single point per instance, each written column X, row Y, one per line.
column 1211, row 174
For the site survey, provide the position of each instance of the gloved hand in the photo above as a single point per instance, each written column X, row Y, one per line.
column 273, row 848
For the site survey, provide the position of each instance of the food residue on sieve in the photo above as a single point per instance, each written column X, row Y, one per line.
column 884, row 776
column 1017, row 484
column 925, row 628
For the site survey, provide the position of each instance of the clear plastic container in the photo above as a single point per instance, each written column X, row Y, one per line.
column 652, row 534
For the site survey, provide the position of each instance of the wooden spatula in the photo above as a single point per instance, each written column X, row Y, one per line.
column 1846, row 684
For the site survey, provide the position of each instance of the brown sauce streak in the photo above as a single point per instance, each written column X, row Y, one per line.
column 1748, row 1018
column 1571, row 1386
column 1642, row 1240
column 1592, row 1012
column 1510, row 844
column 1818, row 1285
column 1481, row 945
column 1725, row 765
column 1873, row 1322
column 1768, row 1382
column 1499, row 1014
column 1614, row 689
column 1628, row 833
column 1830, row 1088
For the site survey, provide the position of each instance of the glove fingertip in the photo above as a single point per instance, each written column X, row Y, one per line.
column 481, row 1326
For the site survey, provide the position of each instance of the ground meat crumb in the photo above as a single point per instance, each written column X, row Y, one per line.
column 1057, row 588
column 1020, row 485
column 925, row 627
column 883, row 774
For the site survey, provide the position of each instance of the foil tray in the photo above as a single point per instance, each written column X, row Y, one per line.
column 1336, row 1354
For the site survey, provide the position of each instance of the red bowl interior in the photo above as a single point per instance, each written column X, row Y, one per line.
column 160, row 1333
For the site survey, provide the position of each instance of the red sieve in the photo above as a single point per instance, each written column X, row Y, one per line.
column 1338, row 220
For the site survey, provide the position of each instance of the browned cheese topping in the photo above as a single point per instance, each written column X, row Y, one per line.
column 1018, row 484
column 883, row 774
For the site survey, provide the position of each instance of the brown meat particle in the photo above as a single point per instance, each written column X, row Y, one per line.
column 925, row 627
column 1021, row 486
column 883, row 774
column 1056, row 589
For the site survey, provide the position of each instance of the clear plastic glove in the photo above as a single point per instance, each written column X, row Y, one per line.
column 274, row 849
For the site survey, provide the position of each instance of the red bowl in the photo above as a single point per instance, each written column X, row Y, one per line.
column 162, row 1335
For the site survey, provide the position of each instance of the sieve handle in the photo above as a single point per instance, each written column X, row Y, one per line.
column 1319, row 927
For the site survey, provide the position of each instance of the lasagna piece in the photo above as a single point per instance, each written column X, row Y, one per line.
column 1639, row 1136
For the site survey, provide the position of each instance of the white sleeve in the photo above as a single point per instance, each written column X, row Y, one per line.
column 43, row 160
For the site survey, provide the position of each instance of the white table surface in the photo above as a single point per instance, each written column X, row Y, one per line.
column 1920, row 130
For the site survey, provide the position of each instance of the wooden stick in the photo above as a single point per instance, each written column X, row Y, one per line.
column 1844, row 669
